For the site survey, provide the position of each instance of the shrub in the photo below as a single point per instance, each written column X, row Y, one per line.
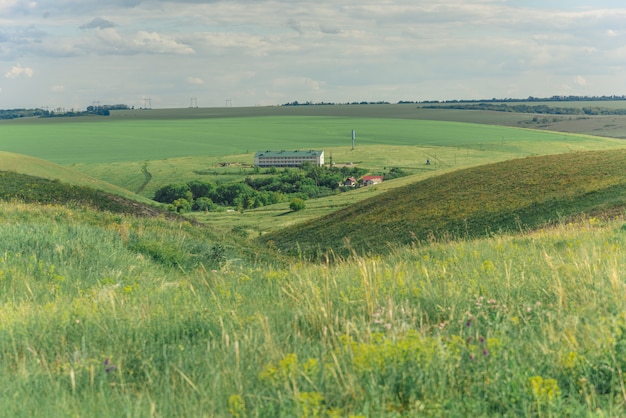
column 297, row 204
column 203, row 204
column 182, row 205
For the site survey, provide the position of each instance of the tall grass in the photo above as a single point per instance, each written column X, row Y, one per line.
column 527, row 325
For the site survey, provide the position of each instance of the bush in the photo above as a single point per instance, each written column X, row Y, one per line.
column 297, row 204
column 203, row 204
column 182, row 205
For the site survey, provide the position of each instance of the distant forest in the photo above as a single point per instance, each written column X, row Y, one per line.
column 506, row 105
column 103, row 110
column 22, row 113
column 482, row 102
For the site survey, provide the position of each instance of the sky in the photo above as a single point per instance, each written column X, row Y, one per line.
column 168, row 54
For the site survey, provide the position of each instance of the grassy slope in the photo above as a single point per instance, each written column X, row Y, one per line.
column 37, row 167
column 92, row 324
column 194, row 247
column 31, row 189
column 466, row 203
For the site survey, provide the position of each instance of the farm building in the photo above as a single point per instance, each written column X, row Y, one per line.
column 369, row 180
column 288, row 158
column 350, row 182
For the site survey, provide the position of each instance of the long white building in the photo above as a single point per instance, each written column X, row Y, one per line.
column 288, row 158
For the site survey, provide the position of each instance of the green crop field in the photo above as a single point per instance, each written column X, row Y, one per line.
column 140, row 140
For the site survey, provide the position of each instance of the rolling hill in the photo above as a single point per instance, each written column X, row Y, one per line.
column 31, row 189
column 516, row 194
column 24, row 164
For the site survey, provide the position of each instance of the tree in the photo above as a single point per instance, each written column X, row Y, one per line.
column 201, row 188
column 233, row 194
column 171, row 192
column 297, row 204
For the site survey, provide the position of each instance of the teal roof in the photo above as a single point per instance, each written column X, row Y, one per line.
column 283, row 153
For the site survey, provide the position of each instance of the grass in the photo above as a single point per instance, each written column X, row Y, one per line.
column 109, row 314
column 31, row 189
column 454, row 329
column 24, row 164
column 506, row 196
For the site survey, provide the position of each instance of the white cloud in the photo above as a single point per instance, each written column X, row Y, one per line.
column 6, row 4
column 57, row 89
column 18, row 71
column 304, row 84
column 142, row 42
column 580, row 81
column 195, row 80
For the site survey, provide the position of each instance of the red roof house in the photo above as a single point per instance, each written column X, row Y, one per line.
column 369, row 180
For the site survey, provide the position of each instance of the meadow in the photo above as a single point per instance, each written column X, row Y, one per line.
column 530, row 324
column 105, row 313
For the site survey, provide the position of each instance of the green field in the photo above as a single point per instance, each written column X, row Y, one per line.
column 121, row 141
column 116, row 140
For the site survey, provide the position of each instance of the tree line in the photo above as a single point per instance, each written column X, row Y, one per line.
column 276, row 186
column 22, row 113
column 526, row 108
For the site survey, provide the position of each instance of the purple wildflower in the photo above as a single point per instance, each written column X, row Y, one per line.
column 108, row 367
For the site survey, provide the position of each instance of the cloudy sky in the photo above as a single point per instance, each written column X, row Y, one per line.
column 72, row 53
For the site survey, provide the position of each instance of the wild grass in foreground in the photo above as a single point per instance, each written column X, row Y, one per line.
column 529, row 325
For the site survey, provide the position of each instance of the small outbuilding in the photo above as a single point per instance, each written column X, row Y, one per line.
column 369, row 180
column 349, row 182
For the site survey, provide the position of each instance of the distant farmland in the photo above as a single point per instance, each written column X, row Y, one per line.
column 100, row 140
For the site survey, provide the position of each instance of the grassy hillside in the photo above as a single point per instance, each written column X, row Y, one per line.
column 506, row 196
column 94, row 323
column 37, row 167
column 31, row 189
